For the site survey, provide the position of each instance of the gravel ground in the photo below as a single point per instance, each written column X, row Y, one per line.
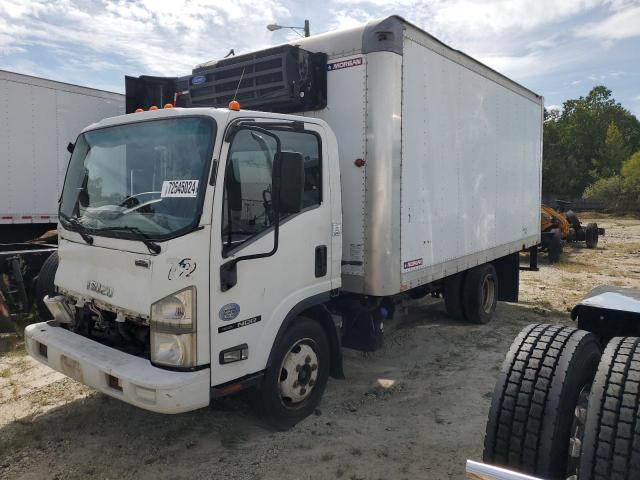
column 414, row 409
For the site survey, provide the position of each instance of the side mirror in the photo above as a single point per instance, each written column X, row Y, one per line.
column 71, row 147
column 291, row 182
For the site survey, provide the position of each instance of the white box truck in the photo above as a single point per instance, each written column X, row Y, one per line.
column 205, row 249
column 40, row 117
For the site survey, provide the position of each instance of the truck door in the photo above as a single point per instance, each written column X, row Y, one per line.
column 247, row 316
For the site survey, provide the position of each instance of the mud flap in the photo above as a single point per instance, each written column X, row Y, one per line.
column 364, row 329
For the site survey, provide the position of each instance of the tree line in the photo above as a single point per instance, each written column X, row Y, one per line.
column 592, row 150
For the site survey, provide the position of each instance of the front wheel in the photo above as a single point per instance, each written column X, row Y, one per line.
column 295, row 381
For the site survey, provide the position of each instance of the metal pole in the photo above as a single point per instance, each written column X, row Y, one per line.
column 307, row 30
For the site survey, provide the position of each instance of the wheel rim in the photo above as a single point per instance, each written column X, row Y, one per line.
column 577, row 432
column 298, row 373
column 488, row 293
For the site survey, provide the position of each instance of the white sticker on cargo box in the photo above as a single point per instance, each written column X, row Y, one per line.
column 356, row 252
column 179, row 188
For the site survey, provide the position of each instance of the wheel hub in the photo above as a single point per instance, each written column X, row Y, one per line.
column 577, row 433
column 488, row 293
column 299, row 373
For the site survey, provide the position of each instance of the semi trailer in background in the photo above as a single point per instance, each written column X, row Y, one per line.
column 39, row 118
column 205, row 249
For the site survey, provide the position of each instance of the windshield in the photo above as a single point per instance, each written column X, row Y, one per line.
column 150, row 176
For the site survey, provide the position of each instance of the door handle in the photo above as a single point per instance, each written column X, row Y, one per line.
column 321, row 261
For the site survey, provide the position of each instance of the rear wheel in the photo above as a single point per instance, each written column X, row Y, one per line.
column 555, row 246
column 453, row 296
column 480, row 293
column 293, row 385
column 572, row 218
column 538, row 388
column 611, row 443
column 591, row 235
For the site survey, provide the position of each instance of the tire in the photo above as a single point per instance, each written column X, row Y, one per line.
column 533, row 403
column 45, row 285
column 282, row 412
column 480, row 293
column 572, row 218
column 453, row 296
column 591, row 235
column 611, row 443
column 555, row 246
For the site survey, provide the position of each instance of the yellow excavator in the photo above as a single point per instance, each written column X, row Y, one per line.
column 559, row 226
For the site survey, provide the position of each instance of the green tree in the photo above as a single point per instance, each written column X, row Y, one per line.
column 579, row 146
column 612, row 154
column 631, row 168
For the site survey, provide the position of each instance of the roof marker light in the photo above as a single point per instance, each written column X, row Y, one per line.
column 168, row 105
column 153, row 107
column 234, row 105
column 138, row 110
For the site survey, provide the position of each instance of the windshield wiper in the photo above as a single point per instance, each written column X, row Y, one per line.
column 77, row 227
column 140, row 235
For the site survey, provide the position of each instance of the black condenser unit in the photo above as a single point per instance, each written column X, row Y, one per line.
column 281, row 79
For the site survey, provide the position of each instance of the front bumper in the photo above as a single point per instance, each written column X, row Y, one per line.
column 128, row 378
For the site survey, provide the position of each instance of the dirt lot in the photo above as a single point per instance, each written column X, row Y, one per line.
column 424, row 422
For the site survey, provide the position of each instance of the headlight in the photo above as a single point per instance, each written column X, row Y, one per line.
column 173, row 329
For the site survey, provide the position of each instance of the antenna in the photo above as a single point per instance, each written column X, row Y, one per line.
column 239, row 82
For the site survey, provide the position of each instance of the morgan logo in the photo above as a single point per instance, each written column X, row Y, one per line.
column 99, row 288
column 352, row 62
column 413, row 263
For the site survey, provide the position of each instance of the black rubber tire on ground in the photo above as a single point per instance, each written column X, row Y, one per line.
column 453, row 296
column 533, row 403
column 45, row 286
column 591, row 235
column 480, row 293
column 572, row 218
column 611, row 442
column 281, row 414
column 555, row 246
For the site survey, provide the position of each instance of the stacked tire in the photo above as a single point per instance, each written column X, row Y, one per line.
column 561, row 409
column 611, row 444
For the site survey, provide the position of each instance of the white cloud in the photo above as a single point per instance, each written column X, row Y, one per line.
column 158, row 37
column 622, row 24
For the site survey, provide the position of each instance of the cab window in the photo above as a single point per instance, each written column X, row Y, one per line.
column 247, row 202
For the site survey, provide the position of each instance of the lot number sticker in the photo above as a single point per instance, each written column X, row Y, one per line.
column 179, row 188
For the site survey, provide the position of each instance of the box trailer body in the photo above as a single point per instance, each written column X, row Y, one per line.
column 40, row 118
column 371, row 165
column 452, row 152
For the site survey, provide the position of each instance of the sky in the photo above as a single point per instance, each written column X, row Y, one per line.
column 557, row 48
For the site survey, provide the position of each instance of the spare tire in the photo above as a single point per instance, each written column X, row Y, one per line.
column 611, row 442
column 533, row 403
column 591, row 235
column 45, row 285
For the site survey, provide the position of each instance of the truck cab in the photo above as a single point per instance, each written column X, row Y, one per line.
column 188, row 239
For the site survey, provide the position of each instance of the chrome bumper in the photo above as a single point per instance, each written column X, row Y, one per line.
column 482, row 471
